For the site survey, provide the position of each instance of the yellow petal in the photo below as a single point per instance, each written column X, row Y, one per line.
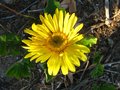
column 66, row 23
column 57, row 13
column 29, row 55
column 38, row 60
column 67, row 61
column 74, row 22
column 34, row 57
column 25, row 47
column 61, row 20
column 48, row 24
column 77, row 52
column 43, row 28
column 45, row 57
column 31, row 32
column 74, row 59
column 76, row 39
column 83, row 57
column 42, row 18
column 42, row 58
column 79, row 27
column 72, row 34
column 55, row 21
column 64, row 68
column 46, row 16
column 49, row 18
column 56, row 65
column 50, row 70
column 70, row 22
column 50, row 64
column 27, row 42
column 35, row 28
column 34, row 47
column 83, row 48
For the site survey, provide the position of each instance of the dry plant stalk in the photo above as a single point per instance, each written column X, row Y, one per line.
column 107, row 13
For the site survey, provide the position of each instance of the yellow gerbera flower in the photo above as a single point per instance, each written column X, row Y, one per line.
column 54, row 42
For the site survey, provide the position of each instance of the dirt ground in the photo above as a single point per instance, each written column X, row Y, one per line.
column 92, row 14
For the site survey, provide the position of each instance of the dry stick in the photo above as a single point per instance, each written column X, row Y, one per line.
column 111, row 63
column 117, row 14
column 17, row 13
column 107, row 13
column 37, row 10
column 22, row 27
column 114, row 72
column 4, row 29
column 107, row 81
column 84, row 70
column 9, row 9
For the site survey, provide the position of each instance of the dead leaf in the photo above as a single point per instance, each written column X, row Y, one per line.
column 71, row 4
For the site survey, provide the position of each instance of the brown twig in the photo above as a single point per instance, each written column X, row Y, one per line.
column 4, row 29
column 14, row 11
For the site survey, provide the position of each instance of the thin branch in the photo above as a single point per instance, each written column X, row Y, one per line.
column 17, row 13
column 84, row 70
column 37, row 10
column 112, row 63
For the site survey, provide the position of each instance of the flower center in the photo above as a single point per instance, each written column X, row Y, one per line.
column 57, row 42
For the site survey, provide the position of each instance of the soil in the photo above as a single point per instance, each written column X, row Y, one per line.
column 92, row 14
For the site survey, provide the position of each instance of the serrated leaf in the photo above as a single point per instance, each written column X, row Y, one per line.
column 97, row 71
column 51, row 6
column 9, row 44
column 19, row 70
column 88, row 41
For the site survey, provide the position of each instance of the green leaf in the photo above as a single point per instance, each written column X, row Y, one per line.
column 97, row 71
column 10, row 44
column 103, row 86
column 88, row 41
column 43, row 65
column 106, row 86
column 3, row 38
column 48, row 77
column 20, row 69
column 96, row 58
column 51, row 6
column 95, row 87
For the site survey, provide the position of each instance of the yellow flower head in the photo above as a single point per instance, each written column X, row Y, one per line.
column 54, row 42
